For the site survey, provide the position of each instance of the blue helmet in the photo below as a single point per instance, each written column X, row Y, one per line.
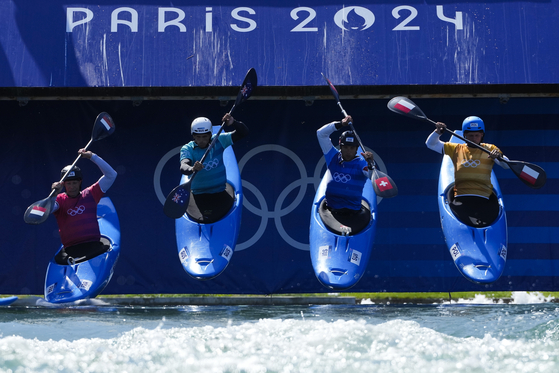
column 348, row 138
column 473, row 124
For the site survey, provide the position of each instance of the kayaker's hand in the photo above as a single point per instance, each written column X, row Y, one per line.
column 57, row 186
column 197, row 166
column 440, row 127
column 347, row 120
column 495, row 154
column 228, row 119
column 368, row 157
column 85, row 153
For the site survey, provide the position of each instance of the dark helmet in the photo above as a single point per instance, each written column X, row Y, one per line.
column 348, row 138
column 74, row 174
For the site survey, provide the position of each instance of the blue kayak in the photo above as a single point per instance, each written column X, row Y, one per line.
column 7, row 301
column 340, row 247
column 87, row 279
column 479, row 253
column 205, row 247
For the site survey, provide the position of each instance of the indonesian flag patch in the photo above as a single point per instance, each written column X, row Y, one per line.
column 38, row 210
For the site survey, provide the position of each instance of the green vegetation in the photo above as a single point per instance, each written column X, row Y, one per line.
column 374, row 297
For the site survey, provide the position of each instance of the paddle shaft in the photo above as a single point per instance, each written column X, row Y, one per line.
column 468, row 141
column 70, row 168
column 371, row 165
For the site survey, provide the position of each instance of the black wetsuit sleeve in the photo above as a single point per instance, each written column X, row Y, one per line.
column 241, row 130
column 338, row 125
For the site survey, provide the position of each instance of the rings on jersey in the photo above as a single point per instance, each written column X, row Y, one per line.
column 341, row 178
column 77, row 211
column 471, row 163
column 211, row 164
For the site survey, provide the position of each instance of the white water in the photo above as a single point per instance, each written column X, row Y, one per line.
column 457, row 337
column 518, row 297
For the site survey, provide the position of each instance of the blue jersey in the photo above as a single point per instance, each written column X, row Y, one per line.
column 212, row 178
column 345, row 188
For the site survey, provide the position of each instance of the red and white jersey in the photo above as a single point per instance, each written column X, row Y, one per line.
column 77, row 217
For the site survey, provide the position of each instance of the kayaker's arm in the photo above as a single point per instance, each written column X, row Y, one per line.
column 241, row 130
column 57, row 186
column 368, row 156
column 323, row 135
column 503, row 164
column 186, row 167
column 109, row 174
column 434, row 143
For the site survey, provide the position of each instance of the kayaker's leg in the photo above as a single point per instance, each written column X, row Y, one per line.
column 80, row 253
column 213, row 206
column 477, row 212
column 61, row 257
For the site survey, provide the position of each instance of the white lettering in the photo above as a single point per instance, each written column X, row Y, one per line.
column 209, row 25
column 457, row 21
column 174, row 22
column 403, row 25
column 133, row 23
column 301, row 26
column 348, row 18
column 235, row 14
column 70, row 24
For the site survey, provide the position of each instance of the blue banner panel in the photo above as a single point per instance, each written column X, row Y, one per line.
column 281, row 165
column 58, row 43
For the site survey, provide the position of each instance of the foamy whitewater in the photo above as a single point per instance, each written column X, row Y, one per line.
column 521, row 336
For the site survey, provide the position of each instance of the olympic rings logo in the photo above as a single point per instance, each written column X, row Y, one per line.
column 77, row 211
column 473, row 163
column 341, row 178
column 262, row 209
column 211, row 164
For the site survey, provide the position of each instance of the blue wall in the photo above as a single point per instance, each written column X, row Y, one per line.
column 146, row 43
column 279, row 170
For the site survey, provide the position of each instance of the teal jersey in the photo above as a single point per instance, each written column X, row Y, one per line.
column 212, row 178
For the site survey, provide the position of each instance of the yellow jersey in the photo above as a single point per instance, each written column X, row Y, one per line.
column 472, row 169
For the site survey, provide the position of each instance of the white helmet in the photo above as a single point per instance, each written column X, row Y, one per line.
column 201, row 125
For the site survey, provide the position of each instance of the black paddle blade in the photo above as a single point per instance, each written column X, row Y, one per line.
column 332, row 88
column 177, row 201
column 383, row 185
column 530, row 174
column 405, row 106
column 104, row 126
column 39, row 212
column 250, row 82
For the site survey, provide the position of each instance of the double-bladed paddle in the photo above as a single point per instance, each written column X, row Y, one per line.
column 383, row 184
column 176, row 202
column 530, row 174
column 38, row 212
